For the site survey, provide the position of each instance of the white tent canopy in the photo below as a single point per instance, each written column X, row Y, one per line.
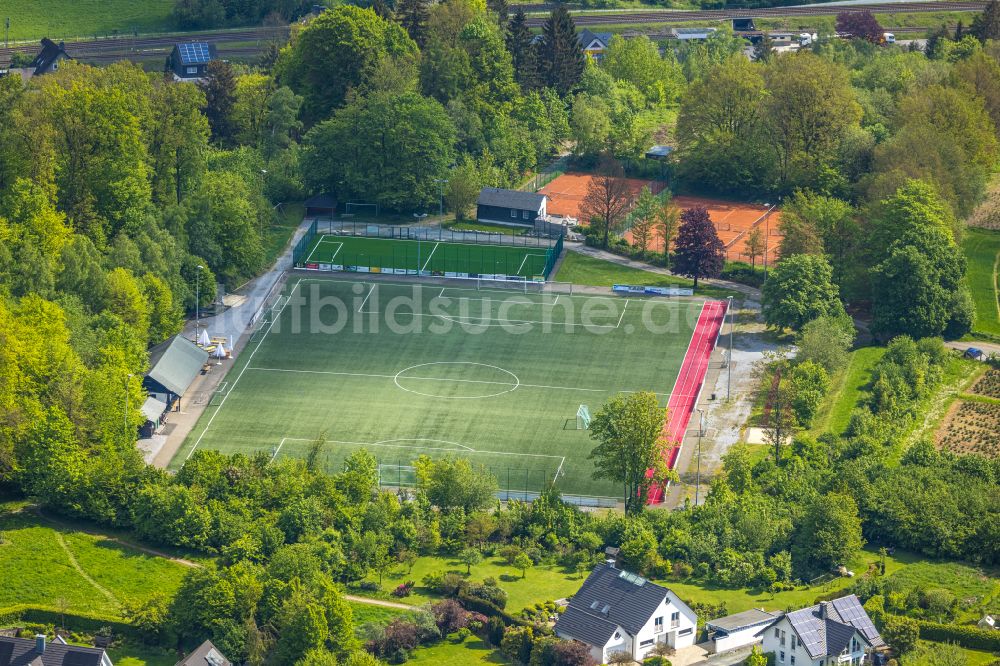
column 220, row 351
column 203, row 338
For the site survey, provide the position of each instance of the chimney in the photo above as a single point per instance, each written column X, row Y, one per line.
column 40, row 643
column 822, row 609
column 62, row 45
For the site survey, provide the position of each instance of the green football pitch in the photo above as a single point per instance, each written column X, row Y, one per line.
column 433, row 256
column 405, row 370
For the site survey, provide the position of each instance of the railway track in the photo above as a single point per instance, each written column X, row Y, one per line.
column 251, row 41
column 668, row 15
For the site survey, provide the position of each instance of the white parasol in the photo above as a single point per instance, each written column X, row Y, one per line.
column 203, row 338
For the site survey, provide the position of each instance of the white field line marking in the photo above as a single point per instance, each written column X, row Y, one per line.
column 670, row 302
column 523, row 261
column 559, row 471
column 433, row 250
column 366, row 299
column 236, row 381
column 445, row 379
column 494, row 321
column 623, row 314
column 323, row 239
column 448, row 242
column 280, row 444
column 429, row 448
column 441, row 295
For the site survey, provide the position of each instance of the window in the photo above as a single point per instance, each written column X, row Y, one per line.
column 782, row 638
column 685, row 632
column 777, row 632
column 782, row 657
column 646, row 642
column 791, row 660
column 675, row 619
column 190, row 70
column 524, row 214
column 618, row 635
column 658, row 624
column 793, row 642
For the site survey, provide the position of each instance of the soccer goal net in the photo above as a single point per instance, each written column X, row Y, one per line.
column 357, row 208
column 524, row 286
column 392, row 475
column 583, row 418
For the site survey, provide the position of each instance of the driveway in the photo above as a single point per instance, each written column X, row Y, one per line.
column 987, row 347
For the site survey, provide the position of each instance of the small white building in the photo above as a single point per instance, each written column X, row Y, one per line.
column 831, row 633
column 619, row 611
column 739, row 630
column 988, row 622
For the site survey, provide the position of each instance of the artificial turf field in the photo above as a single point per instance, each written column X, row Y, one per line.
column 430, row 256
column 408, row 369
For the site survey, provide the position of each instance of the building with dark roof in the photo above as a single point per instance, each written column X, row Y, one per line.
column 837, row 632
column 323, row 204
column 739, row 630
column 173, row 365
column 40, row 652
column 594, row 44
column 499, row 206
column 188, row 60
column 205, row 654
column 619, row 611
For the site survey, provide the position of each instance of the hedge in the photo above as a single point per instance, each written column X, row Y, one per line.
column 491, row 610
column 76, row 620
column 967, row 636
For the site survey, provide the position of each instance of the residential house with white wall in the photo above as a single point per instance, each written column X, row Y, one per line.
column 619, row 611
column 831, row 633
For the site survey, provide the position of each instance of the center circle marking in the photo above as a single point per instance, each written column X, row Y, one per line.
column 510, row 386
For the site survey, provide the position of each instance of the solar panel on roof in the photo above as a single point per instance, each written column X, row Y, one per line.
column 194, row 52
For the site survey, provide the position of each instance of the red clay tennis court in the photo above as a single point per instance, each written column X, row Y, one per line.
column 733, row 221
column 566, row 192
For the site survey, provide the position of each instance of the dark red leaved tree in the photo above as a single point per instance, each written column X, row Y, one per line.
column 698, row 252
column 860, row 25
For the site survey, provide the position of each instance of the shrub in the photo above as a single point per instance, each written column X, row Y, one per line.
column 368, row 586
column 487, row 591
column 404, row 589
column 495, row 628
column 449, row 616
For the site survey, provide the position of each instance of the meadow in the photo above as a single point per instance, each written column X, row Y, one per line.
column 51, row 566
column 32, row 20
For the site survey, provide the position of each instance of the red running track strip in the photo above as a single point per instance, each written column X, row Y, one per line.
column 687, row 388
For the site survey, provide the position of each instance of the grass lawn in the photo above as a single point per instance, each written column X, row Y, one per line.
column 44, row 565
column 982, row 249
column 384, row 255
column 371, row 614
column 470, row 652
column 847, row 390
column 542, row 583
column 973, row 657
column 964, row 581
column 404, row 370
column 31, row 19
column 278, row 234
column 129, row 654
column 590, row 271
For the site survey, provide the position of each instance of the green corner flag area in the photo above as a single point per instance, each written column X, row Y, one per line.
column 410, row 370
column 383, row 255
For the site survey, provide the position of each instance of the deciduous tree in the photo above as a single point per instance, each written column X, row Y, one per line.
column 698, row 251
column 860, row 25
column 607, row 200
column 628, row 430
column 798, row 290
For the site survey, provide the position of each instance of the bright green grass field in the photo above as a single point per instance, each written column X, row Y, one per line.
column 982, row 248
column 89, row 572
column 847, row 390
column 32, row 19
column 581, row 269
column 436, row 257
column 405, row 370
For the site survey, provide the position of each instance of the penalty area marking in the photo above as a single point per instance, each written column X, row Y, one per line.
column 323, row 239
column 523, row 261
column 433, row 250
